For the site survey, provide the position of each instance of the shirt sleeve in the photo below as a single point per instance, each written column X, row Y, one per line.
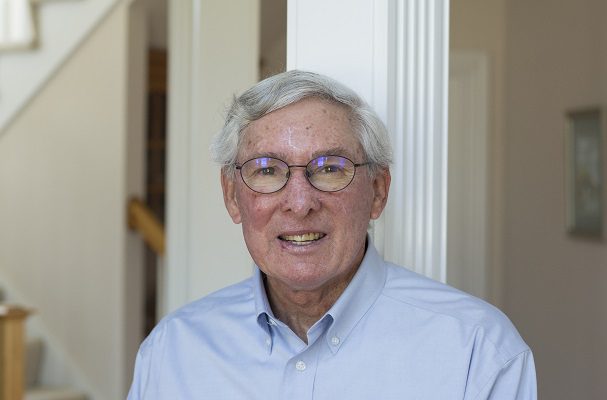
column 514, row 381
column 138, row 379
column 143, row 370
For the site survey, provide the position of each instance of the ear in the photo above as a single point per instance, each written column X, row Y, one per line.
column 381, row 187
column 229, row 197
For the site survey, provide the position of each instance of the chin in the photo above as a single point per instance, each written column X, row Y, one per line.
column 302, row 281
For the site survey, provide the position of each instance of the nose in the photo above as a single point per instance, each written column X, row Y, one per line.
column 299, row 196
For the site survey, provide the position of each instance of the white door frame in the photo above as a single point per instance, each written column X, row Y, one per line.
column 468, row 173
column 205, row 250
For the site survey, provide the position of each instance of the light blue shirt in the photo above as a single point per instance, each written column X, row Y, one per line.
column 392, row 334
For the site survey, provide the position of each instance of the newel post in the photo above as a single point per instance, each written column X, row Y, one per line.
column 12, row 351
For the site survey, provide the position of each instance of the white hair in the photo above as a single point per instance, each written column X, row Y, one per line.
column 289, row 87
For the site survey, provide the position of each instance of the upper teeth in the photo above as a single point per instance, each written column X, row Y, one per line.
column 303, row 238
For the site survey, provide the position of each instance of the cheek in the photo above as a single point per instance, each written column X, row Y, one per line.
column 351, row 216
column 256, row 211
column 360, row 203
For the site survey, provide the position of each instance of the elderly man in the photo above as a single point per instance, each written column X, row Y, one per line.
column 305, row 167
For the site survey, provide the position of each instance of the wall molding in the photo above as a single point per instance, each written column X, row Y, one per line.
column 417, row 119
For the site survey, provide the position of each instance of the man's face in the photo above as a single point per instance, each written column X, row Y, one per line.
column 296, row 134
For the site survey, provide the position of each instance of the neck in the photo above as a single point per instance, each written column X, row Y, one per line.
column 300, row 309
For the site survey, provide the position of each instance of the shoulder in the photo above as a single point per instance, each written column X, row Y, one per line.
column 450, row 307
column 190, row 334
column 220, row 307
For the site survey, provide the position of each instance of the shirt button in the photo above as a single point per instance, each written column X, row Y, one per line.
column 272, row 322
column 335, row 341
column 268, row 342
column 300, row 365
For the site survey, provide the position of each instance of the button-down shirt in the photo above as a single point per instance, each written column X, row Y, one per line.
column 392, row 334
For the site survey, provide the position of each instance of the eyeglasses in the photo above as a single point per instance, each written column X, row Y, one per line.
column 326, row 173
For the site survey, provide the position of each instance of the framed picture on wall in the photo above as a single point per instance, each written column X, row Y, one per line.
column 585, row 173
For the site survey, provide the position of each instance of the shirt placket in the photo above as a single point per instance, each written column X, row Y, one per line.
column 300, row 374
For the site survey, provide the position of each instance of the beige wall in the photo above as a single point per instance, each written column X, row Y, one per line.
column 555, row 286
column 63, row 191
column 546, row 58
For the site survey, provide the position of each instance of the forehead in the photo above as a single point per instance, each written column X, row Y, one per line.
column 301, row 131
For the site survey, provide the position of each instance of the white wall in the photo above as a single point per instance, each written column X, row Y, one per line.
column 214, row 55
column 63, row 192
column 555, row 285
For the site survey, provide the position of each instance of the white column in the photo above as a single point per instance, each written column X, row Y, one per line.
column 395, row 54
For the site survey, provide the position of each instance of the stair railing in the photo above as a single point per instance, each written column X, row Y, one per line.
column 143, row 220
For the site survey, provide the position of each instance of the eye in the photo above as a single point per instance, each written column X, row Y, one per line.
column 329, row 169
column 267, row 171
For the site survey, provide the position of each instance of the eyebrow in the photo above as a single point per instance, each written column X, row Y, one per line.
column 333, row 151
column 266, row 154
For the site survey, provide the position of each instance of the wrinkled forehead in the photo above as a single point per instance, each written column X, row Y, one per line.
column 307, row 129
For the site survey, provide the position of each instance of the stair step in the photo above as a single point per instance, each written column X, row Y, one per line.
column 54, row 394
column 35, row 348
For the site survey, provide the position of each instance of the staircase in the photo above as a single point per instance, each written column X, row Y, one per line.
column 34, row 353
column 57, row 28
column 36, row 391
column 60, row 28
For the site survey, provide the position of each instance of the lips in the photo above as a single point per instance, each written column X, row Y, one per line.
column 302, row 239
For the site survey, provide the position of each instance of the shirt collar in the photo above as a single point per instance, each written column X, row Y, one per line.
column 262, row 305
column 350, row 307
column 362, row 292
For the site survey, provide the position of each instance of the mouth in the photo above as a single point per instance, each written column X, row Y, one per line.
column 303, row 239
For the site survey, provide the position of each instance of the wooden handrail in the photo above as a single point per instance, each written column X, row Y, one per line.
column 143, row 220
column 12, row 351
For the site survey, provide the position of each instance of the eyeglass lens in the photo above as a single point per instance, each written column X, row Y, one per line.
column 325, row 173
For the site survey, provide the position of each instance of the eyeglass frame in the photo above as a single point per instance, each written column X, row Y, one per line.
column 306, row 172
